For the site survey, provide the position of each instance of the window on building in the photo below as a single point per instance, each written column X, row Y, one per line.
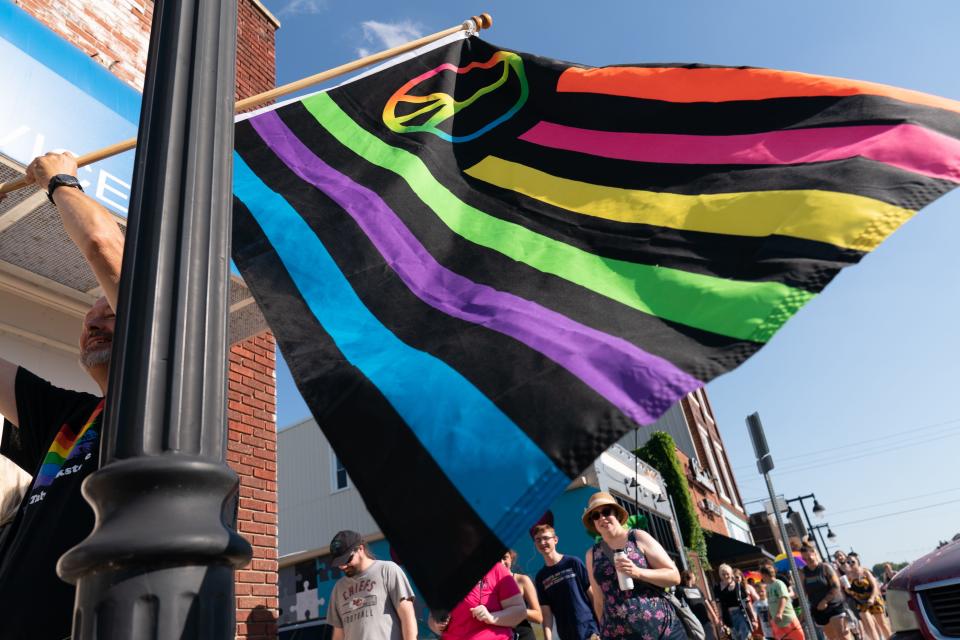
column 660, row 528
column 339, row 480
column 727, row 476
column 711, row 461
column 704, row 406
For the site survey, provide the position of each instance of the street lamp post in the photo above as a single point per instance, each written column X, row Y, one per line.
column 831, row 536
column 159, row 564
column 818, row 510
column 765, row 466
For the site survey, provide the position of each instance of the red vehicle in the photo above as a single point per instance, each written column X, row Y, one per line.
column 923, row 600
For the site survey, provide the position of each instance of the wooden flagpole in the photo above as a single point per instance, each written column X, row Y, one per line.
column 475, row 23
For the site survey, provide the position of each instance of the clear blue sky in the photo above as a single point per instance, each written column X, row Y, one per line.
column 867, row 373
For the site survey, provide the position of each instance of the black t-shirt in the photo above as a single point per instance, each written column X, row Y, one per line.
column 729, row 599
column 817, row 583
column 698, row 604
column 58, row 438
column 563, row 588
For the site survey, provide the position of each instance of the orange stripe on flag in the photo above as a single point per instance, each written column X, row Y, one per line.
column 676, row 84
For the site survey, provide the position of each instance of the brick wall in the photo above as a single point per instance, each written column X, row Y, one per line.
column 702, row 416
column 709, row 521
column 252, row 453
column 254, row 419
column 256, row 69
column 116, row 33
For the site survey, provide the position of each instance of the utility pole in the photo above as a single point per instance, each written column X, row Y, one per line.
column 765, row 466
column 160, row 562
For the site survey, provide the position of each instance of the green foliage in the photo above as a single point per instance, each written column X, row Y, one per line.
column 637, row 521
column 660, row 453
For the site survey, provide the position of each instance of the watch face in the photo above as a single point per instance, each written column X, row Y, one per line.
column 61, row 180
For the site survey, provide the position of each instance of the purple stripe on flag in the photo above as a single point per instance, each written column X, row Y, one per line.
column 906, row 146
column 640, row 384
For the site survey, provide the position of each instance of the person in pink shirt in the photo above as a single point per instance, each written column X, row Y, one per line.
column 489, row 612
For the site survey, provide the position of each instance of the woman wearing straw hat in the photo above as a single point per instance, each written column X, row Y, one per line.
column 641, row 612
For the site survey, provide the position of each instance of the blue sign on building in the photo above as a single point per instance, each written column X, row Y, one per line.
column 55, row 97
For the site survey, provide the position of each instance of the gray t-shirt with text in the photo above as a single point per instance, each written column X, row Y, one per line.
column 365, row 605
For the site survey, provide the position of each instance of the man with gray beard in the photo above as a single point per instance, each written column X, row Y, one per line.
column 56, row 434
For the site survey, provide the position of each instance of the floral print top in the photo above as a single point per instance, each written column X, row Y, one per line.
column 640, row 614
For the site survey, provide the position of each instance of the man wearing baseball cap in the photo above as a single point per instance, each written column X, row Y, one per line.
column 373, row 600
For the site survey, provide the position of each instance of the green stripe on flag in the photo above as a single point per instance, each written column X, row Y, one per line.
column 744, row 310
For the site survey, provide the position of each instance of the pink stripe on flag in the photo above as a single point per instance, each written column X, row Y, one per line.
column 905, row 146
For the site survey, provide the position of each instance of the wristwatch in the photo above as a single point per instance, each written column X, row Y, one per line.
column 62, row 180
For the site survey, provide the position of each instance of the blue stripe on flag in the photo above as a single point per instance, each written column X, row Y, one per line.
column 502, row 474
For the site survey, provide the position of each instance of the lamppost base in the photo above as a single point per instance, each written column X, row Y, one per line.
column 159, row 564
column 186, row 602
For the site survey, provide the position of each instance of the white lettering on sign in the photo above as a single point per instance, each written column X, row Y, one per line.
column 103, row 187
column 38, row 145
column 20, row 131
column 85, row 183
column 109, row 189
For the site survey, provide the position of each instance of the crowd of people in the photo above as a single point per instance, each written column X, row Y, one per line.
column 618, row 591
column 625, row 588
column 845, row 599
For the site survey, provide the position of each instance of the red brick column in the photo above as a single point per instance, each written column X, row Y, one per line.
column 252, row 453
column 252, row 446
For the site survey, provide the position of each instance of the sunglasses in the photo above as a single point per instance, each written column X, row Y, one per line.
column 850, row 562
column 605, row 512
column 349, row 558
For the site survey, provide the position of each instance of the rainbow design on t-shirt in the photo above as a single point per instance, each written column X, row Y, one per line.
column 63, row 447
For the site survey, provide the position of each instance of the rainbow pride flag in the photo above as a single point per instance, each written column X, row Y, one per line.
column 483, row 267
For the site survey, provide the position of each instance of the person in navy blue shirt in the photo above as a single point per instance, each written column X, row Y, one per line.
column 563, row 588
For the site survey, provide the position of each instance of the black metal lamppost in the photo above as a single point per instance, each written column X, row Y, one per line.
column 831, row 536
column 160, row 561
column 818, row 511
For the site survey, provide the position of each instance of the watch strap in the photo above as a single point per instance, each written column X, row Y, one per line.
column 62, row 180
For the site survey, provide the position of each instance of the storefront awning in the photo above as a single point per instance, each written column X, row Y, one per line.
column 724, row 549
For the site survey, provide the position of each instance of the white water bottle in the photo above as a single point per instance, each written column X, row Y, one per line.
column 626, row 582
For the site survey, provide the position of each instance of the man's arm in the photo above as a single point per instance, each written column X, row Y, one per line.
column 401, row 595
column 835, row 592
column 338, row 633
column 547, row 622
column 781, row 602
column 8, row 391
column 408, row 619
column 89, row 225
